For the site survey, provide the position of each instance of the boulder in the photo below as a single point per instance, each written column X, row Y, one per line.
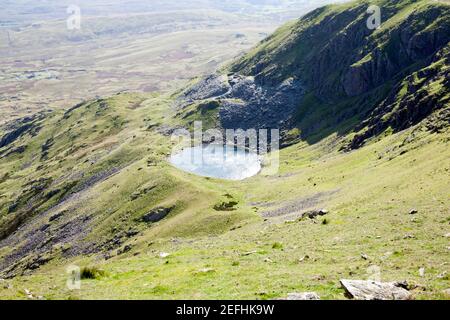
column 131, row 233
column 303, row 296
column 226, row 206
column 422, row 272
column 249, row 253
column 373, row 290
column 304, row 258
column 314, row 213
column 364, row 256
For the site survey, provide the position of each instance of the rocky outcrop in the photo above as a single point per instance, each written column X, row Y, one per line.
column 364, row 76
column 15, row 129
column 302, row 296
column 245, row 104
column 411, row 101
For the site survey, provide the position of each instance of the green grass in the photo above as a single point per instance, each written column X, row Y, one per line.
column 253, row 258
column 91, row 273
column 222, row 242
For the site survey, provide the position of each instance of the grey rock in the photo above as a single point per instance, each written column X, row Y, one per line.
column 164, row 255
column 131, row 233
column 56, row 216
column 156, row 215
column 303, row 296
column 246, row 103
column 28, row 293
column 373, row 290
column 44, row 227
column 250, row 104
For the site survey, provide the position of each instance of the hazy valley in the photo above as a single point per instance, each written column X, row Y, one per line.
column 140, row 46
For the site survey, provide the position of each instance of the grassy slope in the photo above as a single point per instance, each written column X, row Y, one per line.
column 368, row 214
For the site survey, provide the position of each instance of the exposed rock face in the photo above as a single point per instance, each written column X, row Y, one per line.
column 372, row 290
column 19, row 127
column 156, row 215
column 245, row 104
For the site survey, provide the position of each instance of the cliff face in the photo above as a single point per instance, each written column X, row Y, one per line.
column 393, row 76
column 412, row 41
